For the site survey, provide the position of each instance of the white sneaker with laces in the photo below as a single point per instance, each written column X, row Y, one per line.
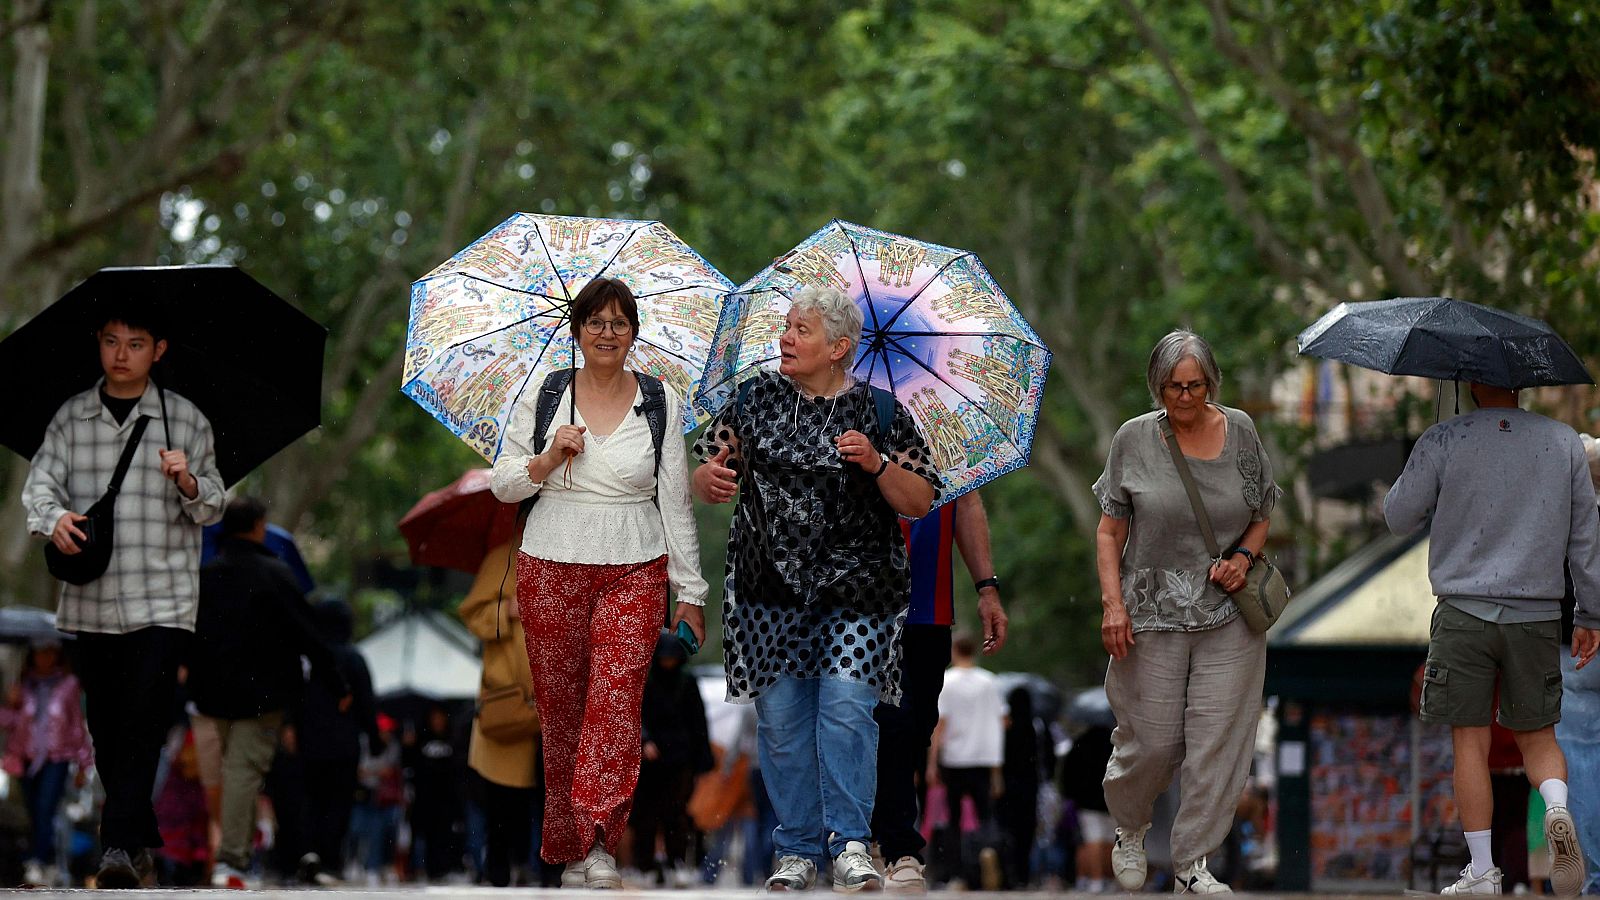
column 794, row 873
column 905, row 876
column 1470, row 883
column 1566, row 857
column 599, row 870
column 1127, row 857
column 1197, row 879
column 853, row 871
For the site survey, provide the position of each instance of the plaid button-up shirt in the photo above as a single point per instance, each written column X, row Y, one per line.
column 154, row 576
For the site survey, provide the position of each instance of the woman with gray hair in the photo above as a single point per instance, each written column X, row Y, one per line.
column 1186, row 672
column 817, row 579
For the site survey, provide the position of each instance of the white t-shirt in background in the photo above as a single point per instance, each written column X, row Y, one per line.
column 974, row 719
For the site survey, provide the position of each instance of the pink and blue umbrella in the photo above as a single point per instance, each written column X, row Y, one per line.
column 939, row 334
column 494, row 318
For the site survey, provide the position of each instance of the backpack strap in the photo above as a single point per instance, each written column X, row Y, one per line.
column 555, row 384
column 654, row 410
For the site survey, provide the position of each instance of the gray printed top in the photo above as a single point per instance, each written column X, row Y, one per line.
column 1165, row 562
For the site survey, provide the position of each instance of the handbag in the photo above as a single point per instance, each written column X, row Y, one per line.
column 1265, row 594
column 94, row 553
column 507, row 714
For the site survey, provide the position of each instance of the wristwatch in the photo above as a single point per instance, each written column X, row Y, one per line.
column 1249, row 558
column 883, row 467
column 992, row 581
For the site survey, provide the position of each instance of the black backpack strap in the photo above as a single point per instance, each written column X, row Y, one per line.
column 126, row 460
column 555, row 384
column 654, row 410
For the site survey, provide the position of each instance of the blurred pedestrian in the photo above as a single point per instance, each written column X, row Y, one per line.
column 504, row 749
column 1506, row 497
column 1578, row 732
column 969, row 748
column 1186, row 671
column 676, row 749
column 328, row 734
column 437, row 790
column 245, row 670
column 595, row 561
column 1083, row 769
column 1018, row 810
column 905, row 732
column 133, row 618
column 380, row 802
column 817, row 584
column 48, row 746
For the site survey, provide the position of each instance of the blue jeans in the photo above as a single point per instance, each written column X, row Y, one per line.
column 43, row 791
column 1578, row 733
column 819, row 758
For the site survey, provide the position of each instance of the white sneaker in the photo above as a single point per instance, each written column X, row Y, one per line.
column 1127, row 858
column 794, row 873
column 572, row 875
column 1197, row 879
column 905, row 875
column 1566, row 857
column 226, row 876
column 853, row 871
column 599, row 870
column 1468, row 883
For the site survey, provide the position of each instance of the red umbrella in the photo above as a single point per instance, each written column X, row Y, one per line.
column 455, row 527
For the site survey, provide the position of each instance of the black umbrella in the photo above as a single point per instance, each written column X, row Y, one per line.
column 1439, row 337
column 246, row 357
column 1092, row 708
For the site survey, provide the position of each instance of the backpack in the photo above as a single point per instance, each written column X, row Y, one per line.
column 882, row 403
column 653, row 408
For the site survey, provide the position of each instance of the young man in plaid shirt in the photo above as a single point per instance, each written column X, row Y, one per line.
column 132, row 621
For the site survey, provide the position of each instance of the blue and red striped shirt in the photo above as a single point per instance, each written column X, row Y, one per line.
column 930, row 540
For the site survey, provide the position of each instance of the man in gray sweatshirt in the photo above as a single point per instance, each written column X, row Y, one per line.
column 1507, row 498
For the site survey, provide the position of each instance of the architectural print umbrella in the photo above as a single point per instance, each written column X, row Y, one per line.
column 939, row 334
column 493, row 319
column 1444, row 338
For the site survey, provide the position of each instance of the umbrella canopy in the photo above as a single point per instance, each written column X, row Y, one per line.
column 493, row 319
column 938, row 333
column 1092, row 708
column 279, row 540
column 456, row 526
column 247, row 358
column 1444, row 338
column 29, row 623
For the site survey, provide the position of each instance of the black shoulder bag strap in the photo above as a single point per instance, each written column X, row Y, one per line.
column 126, row 459
column 1193, row 490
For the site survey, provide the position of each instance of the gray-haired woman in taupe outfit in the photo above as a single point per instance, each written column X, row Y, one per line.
column 1186, row 673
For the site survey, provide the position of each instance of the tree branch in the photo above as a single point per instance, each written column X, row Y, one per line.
column 1372, row 200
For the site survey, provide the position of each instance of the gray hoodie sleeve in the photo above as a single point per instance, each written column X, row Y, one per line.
column 1411, row 501
column 1583, row 543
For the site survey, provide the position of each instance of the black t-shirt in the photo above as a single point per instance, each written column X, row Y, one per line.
column 120, row 408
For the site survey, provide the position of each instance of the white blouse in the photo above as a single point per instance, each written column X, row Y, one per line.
column 606, row 517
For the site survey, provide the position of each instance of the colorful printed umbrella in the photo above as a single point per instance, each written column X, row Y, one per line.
column 939, row 334
column 493, row 319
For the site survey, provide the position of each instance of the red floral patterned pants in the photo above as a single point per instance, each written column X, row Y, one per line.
column 591, row 633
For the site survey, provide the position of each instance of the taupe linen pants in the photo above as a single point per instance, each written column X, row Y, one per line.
column 1189, row 699
column 247, row 749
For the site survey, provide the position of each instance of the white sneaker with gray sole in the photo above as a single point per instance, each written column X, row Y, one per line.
column 1128, row 861
column 1473, row 883
column 1566, row 856
column 794, row 873
column 853, row 870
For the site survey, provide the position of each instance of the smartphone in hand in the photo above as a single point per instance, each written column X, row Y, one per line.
column 686, row 636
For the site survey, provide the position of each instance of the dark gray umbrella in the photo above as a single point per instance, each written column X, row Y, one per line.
column 1091, row 708
column 1439, row 337
column 28, row 623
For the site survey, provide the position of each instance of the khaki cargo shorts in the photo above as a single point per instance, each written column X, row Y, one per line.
column 1467, row 656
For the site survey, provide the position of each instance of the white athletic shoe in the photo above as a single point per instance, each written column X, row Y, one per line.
column 1127, row 858
column 794, row 873
column 1566, row 857
column 599, row 870
column 1470, row 883
column 1197, row 879
column 853, row 870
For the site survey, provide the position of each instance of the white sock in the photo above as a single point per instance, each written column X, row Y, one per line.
column 1482, row 857
column 1554, row 792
